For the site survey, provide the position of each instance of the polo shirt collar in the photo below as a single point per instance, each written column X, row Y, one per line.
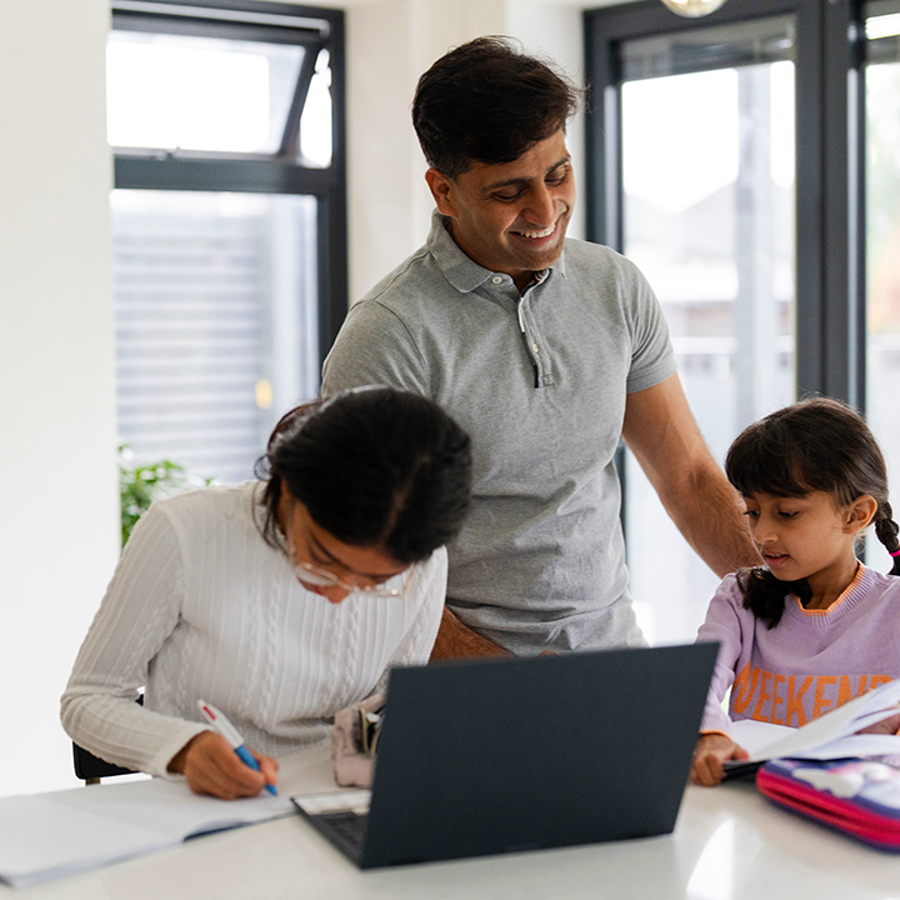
column 462, row 272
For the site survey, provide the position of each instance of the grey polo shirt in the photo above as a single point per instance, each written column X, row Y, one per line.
column 539, row 381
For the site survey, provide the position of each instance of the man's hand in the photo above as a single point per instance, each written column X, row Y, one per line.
column 212, row 767
column 712, row 750
column 456, row 641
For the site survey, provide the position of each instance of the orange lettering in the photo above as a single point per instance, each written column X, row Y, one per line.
column 776, row 700
column 821, row 702
column 763, row 696
column 795, row 701
column 742, row 691
column 862, row 685
column 844, row 692
column 878, row 679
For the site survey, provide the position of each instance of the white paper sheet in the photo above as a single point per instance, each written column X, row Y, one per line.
column 831, row 736
column 50, row 835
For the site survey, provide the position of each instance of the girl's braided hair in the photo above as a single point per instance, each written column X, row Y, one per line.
column 814, row 445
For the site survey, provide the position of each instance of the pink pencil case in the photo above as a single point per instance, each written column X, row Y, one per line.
column 858, row 797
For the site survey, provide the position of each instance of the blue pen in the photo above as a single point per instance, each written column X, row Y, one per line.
column 231, row 734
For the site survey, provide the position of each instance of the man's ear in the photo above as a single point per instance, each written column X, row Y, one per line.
column 442, row 190
column 860, row 513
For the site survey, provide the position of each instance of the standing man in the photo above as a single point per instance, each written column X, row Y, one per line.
column 546, row 351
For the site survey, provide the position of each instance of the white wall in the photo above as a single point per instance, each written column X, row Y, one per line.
column 58, row 478
column 58, row 503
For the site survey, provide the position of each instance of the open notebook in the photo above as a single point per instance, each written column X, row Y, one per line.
column 495, row 756
column 832, row 736
column 51, row 835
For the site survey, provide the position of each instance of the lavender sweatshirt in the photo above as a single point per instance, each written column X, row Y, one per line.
column 812, row 661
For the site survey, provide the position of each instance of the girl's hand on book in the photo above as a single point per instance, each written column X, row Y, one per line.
column 712, row 750
column 212, row 767
column 885, row 726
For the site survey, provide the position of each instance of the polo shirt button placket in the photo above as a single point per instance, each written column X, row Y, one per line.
column 532, row 347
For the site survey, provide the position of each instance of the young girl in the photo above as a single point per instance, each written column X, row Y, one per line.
column 813, row 627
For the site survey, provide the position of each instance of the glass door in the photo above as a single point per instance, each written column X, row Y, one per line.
column 708, row 212
column 882, row 235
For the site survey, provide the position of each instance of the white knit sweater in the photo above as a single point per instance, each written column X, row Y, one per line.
column 201, row 607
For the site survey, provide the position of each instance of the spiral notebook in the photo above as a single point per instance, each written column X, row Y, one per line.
column 495, row 756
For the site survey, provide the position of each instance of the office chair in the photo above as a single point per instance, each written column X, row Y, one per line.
column 91, row 769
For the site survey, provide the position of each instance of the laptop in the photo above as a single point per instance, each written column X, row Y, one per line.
column 505, row 755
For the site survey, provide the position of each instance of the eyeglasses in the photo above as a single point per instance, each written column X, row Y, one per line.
column 314, row 576
column 308, row 574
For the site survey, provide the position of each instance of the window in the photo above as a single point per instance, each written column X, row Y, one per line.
column 228, row 217
column 724, row 159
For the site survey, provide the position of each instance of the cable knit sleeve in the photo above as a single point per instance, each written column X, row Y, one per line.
column 139, row 612
column 723, row 624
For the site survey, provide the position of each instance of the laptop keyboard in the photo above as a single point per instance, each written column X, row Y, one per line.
column 350, row 826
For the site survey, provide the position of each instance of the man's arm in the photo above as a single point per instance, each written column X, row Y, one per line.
column 457, row 641
column 373, row 347
column 660, row 430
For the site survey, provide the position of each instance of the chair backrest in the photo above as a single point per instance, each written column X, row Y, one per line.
column 91, row 768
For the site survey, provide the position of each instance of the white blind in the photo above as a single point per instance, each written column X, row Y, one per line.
column 215, row 323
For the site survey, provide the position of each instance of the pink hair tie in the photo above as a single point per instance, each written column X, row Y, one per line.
column 896, row 552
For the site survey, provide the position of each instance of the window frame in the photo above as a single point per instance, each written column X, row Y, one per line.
column 830, row 215
column 281, row 173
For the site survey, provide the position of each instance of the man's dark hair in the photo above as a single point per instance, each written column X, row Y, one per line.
column 374, row 467
column 488, row 102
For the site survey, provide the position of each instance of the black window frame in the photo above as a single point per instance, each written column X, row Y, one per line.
column 830, row 215
column 316, row 28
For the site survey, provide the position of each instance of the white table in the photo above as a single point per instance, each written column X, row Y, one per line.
column 729, row 844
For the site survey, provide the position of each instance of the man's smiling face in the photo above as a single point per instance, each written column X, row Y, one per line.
column 511, row 217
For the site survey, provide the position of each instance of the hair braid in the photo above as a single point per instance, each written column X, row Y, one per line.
column 887, row 530
column 765, row 595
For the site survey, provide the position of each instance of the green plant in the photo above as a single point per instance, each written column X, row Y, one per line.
column 139, row 486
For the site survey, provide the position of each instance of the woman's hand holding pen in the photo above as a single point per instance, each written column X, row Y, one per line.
column 210, row 766
column 712, row 750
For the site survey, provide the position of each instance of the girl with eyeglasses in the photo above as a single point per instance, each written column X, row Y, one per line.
column 279, row 601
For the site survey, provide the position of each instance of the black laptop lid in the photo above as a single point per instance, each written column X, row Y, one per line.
column 495, row 756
